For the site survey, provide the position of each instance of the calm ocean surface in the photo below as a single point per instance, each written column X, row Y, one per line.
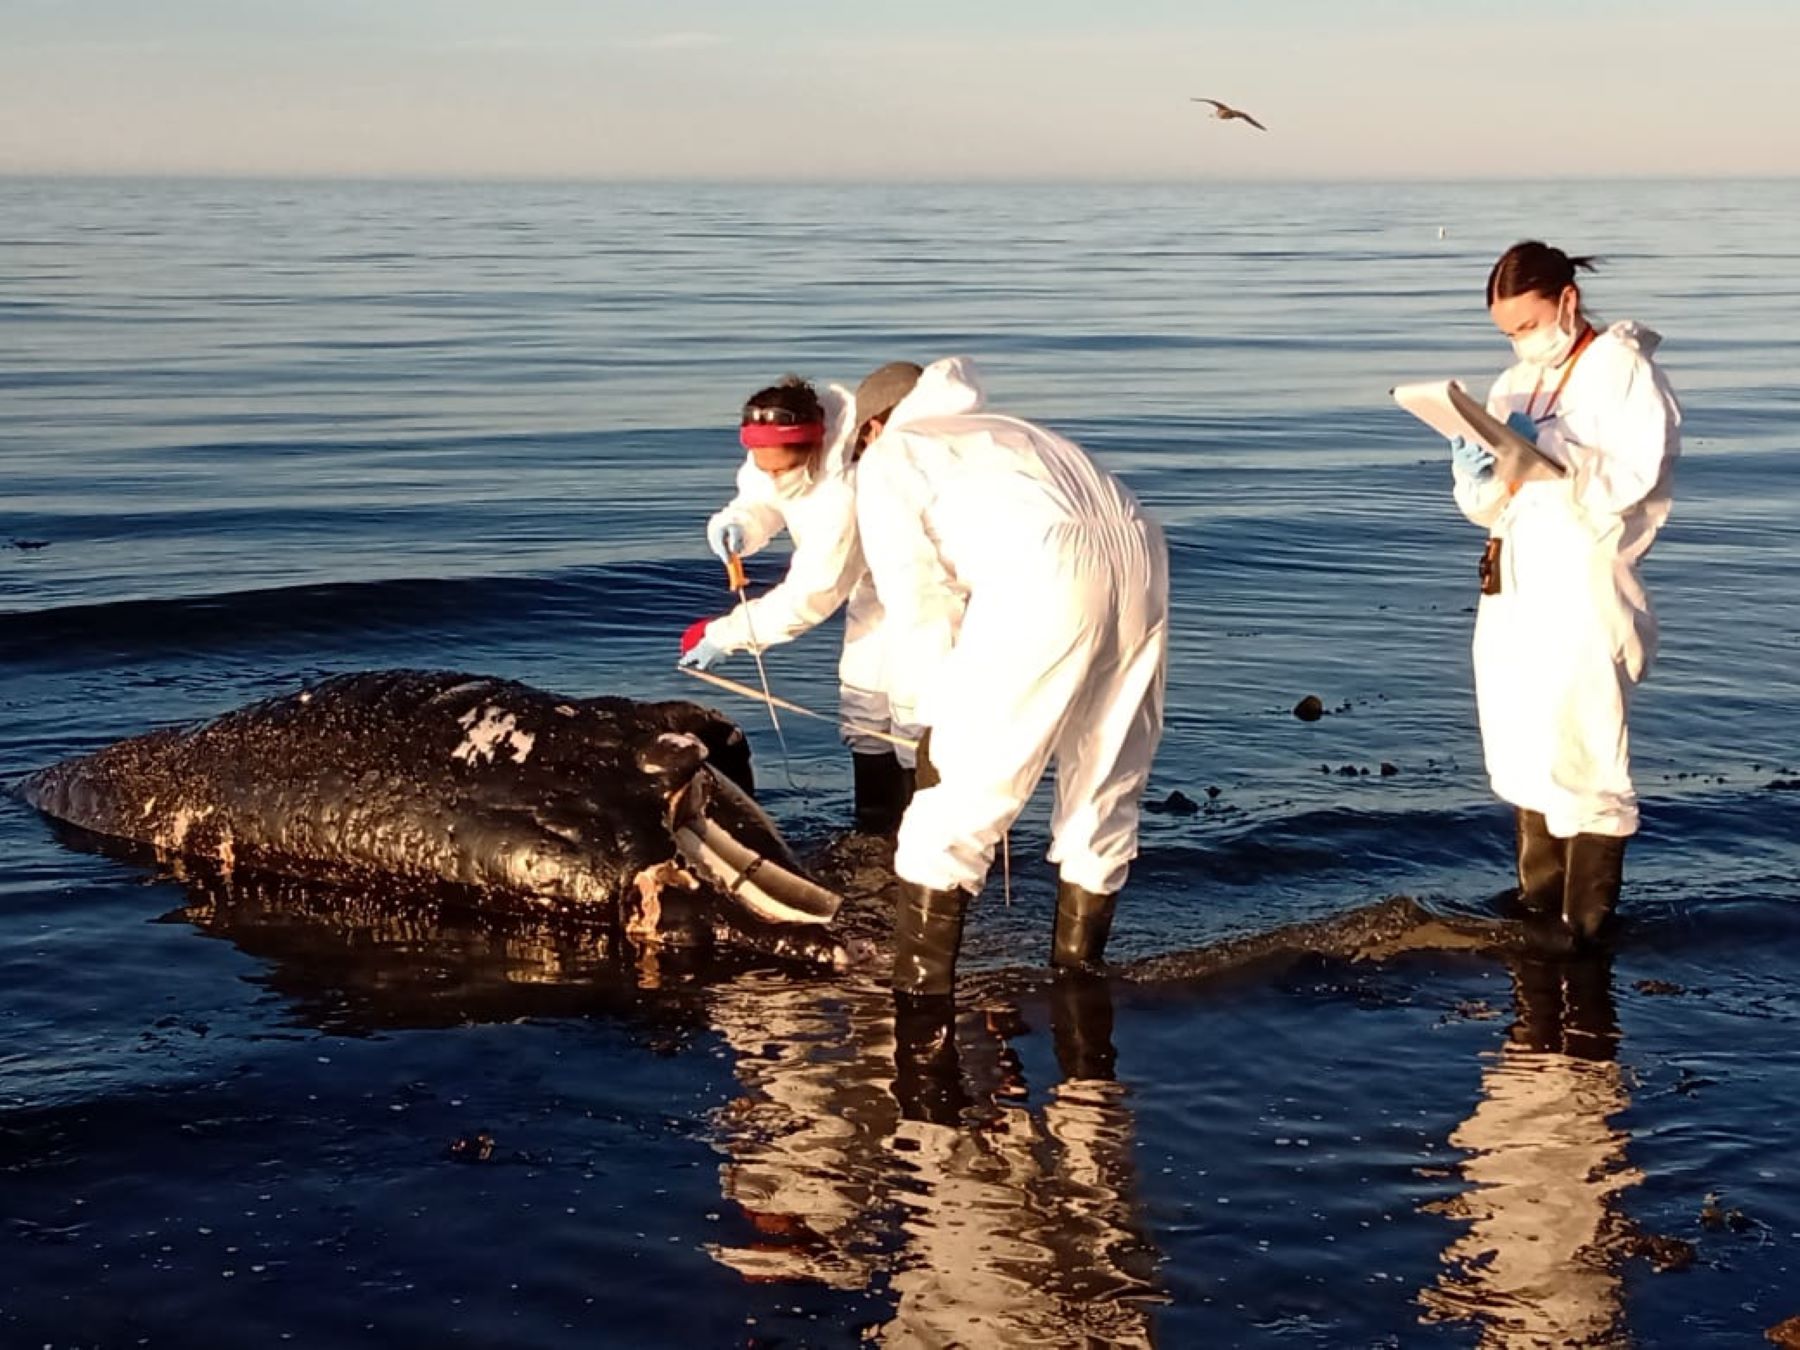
column 255, row 432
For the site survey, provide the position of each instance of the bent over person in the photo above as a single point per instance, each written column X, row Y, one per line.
column 797, row 474
column 1564, row 631
column 1032, row 591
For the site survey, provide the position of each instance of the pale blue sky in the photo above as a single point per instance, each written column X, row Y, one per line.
column 806, row 89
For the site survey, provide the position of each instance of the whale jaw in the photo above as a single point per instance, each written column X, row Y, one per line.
column 723, row 835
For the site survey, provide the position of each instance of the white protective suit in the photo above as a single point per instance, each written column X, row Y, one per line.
column 1559, row 650
column 817, row 506
column 1031, row 594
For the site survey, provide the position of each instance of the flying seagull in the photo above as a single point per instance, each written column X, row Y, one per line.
column 1226, row 112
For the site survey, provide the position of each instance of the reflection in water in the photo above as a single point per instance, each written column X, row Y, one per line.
column 1013, row 1225
column 357, row 961
column 900, row 1151
column 1544, row 1172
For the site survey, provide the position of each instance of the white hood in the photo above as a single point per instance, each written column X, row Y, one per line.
column 840, row 415
column 1633, row 336
column 947, row 388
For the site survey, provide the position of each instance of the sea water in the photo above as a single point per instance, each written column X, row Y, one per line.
column 256, row 432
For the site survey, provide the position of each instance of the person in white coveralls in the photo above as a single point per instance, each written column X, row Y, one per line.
column 1031, row 592
column 1564, row 631
column 797, row 475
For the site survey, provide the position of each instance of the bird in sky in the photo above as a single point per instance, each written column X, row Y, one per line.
column 1226, row 112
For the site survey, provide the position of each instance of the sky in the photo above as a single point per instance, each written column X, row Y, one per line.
column 982, row 90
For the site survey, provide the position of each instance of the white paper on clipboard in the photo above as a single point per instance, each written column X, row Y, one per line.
column 1447, row 408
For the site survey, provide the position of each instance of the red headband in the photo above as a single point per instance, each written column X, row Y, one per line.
column 758, row 435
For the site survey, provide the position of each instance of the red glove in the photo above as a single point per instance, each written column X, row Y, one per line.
column 691, row 638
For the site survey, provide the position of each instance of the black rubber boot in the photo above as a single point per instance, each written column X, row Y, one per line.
column 1596, row 871
column 1083, row 922
column 928, row 928
column 881, row 790
column 1081, row 1025
column 928, row 1080
column 1543, row 866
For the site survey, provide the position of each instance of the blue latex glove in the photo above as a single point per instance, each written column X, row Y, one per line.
column 1471, row 460
column 1522, row 424
column 703, row 655
column 724, row 538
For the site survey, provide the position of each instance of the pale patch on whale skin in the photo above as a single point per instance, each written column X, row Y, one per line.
column 496, row 728
column 173, row 836
column 643, row 919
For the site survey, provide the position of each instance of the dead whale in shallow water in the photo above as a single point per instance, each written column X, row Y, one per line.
column 635, row 814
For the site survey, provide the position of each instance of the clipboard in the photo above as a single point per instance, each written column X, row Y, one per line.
column 1447, row 408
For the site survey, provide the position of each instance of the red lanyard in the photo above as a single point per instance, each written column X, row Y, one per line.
column 1555, row 400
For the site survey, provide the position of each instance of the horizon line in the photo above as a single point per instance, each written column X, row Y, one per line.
column 961, row 181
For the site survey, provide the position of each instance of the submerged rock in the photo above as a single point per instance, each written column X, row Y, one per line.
column 1177, row 803
column 1785, row 1334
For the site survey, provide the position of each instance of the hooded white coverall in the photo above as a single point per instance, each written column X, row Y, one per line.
column 1030, row 593
column 1560, row 649
column 817, row 506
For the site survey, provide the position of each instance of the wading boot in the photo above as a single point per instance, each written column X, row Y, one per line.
column 1543, row 866
column 928, row 928
column 1596, row 870
column 1083, row 921
column 881, row 792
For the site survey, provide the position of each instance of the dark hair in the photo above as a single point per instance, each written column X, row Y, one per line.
column 791, row 399
column 1531, row 267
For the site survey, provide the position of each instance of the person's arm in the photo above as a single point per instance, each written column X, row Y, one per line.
column 1482, row 498
column 1634, row 431
column 752, row 510
column 826, row 564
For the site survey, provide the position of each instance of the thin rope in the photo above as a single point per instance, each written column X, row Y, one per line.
column 757, row 694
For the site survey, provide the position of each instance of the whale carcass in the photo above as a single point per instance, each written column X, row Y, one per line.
column 635, row 814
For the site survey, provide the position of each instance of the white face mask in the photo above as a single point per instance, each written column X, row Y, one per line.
column 790, row 482
column 1547, row 347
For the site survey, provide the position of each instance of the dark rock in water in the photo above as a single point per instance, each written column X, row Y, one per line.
column 1665, row 1254
column 1349, row 771
column 29, row 545
column 1784, row 785
column 1785, row 1334
column 1309, row 709
column 1212, row 793
column 1389, row 770
column 1177, row 803
column 1715, row 1216
column 477, row 1148
column 1658, row 987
